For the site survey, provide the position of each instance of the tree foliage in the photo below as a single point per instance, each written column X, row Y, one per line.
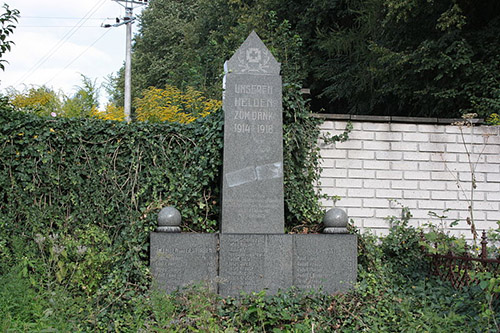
column 418, row 58
column 436, row 58
column 84, row 102
column 110, row 112
column 171, row 104
column 41, row 101
column 185, row 44
column 44, row 101
column 7, row 18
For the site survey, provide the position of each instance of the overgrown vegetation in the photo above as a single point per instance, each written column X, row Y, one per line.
column 66, row 166
column 78, row 197
column 171, row 104
column 394, row 293
column 44, row 101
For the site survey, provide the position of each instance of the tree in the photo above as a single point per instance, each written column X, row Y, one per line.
column 418, row 58
column 168, row 104
column 41, row 101
column 84, row 102
column 434, row 58
column 44, row 101
column 171, row 104
column 111, row 112
column 185, row 44
column 6, row 29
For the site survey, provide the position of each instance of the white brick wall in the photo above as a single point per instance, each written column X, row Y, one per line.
column 417, row 165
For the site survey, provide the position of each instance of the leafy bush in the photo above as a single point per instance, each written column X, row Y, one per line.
column 44, row 101
column 78, row 197
column 171, row 104
column 301, row 156
column 401, row 248
column 384, row 299
column 41, row 101
column 110, row 112
column 168, row 104
column 493, row 119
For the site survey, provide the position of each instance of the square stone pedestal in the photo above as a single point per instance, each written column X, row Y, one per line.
column 178, row 260
column 235, row 263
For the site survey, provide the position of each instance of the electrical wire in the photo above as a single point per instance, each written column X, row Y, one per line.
column 61, row 18
column 78, row 56
column 61, row 42
column 56, row 26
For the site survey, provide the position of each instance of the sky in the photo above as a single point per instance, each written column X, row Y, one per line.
column 56, row 41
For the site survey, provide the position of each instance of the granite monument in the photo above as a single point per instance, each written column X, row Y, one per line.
column 253, row 142
column 252, row 252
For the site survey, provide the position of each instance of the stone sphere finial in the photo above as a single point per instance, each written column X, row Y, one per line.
column 335, row 221
column 169, row 220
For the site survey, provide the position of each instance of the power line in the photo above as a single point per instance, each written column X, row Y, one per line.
column 62, row 18
column 61, row 42
column 57, row 26
column 78, row 56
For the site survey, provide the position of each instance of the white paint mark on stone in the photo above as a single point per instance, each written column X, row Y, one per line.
column 270, row 171
column 251, row 174
column 240, row 177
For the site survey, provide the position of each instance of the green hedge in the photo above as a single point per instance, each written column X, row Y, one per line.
column 79, row 171
column 78, row 197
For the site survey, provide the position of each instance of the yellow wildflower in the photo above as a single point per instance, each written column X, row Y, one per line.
column 173, row 105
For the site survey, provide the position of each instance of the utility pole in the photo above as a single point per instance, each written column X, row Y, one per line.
column 127, row 20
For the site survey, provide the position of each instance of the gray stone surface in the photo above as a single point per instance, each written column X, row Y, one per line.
column 335, row 221
column 252, row 196
column 326, row 261
column 335, row 217
column 235, row 263
column 177, row 260
column 169, row 220
column 169, row 216
column 251, row 263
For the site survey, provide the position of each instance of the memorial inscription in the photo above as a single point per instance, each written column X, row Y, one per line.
column 251, row 263
column 321, row 260
column 181, row 259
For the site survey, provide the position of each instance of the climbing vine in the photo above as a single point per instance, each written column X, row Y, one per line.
column 79, row 196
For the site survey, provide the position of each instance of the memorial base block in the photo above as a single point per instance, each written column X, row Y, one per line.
column 178, row 260
column 234, row 263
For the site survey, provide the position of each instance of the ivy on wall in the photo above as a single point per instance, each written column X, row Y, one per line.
column 68, row 174
column 79, row 196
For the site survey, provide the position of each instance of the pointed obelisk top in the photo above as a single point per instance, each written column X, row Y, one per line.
column 253, row 57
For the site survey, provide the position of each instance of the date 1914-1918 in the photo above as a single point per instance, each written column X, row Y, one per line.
column 252, row 128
